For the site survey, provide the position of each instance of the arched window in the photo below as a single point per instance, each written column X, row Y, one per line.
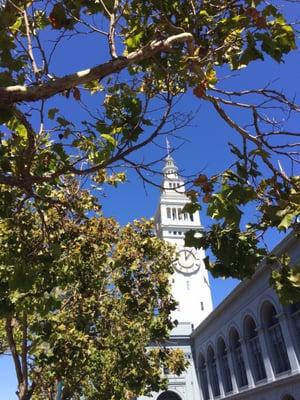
column 276, row 342
column 225, row 370
column 169, row 395
column 288, row 397
column 212, row 370
column 239, row 364
column 203, row 378
column 254, row 349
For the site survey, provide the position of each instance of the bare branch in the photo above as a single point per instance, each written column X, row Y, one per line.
column 129, row 150
column 14, row 94
column 30, row 51
column 112, row 30
column 246, row 135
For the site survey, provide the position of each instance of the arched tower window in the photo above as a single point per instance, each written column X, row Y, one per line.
column 203, row 378
column 169, row 395
column 239, row 364
column 275, row 339
column 254, row 349
column 212, row 370
column 225, row 370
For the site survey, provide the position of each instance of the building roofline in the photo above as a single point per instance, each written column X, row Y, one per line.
column 283, row 245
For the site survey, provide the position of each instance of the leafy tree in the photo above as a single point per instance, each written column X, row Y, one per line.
column 82, row 307
column 152, row 52
column 156, row 51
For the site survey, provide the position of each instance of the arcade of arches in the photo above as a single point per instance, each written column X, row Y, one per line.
column 240, row 359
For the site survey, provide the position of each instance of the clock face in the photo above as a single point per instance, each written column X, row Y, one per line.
column 187, row 261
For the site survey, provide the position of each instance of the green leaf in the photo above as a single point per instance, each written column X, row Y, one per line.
column 94, row 86
column 260, row 152
column 109, row 139
column 21, row 130
column 59, row 150
column 211, row 76
column 132, row 42
column 52, row 112
column 63, row 122
column 270, row 10
column 191, row 208
column 16, row 26
column 287, row 220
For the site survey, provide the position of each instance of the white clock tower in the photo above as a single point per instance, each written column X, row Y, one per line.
column 190, row 283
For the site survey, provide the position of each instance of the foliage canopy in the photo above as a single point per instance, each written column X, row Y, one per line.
column 54, row 266
column 82, row 306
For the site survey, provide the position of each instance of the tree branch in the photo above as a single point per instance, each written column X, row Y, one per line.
column 112, row 30
column 18, row 93
column 13, row 349
column 230, row 121
column 245, row 134
column 129, row 150
column 24, row 353
column 30, row 50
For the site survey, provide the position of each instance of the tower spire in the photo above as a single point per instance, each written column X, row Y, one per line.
column 168, row 146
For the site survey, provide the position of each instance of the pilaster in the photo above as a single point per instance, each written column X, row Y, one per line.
column 232, row 370
column 265, row 354
column 222, row 391
column 247, row 363
column 282, row 317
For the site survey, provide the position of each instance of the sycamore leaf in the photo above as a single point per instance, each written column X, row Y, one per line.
column 52, row 112
column 109, row 139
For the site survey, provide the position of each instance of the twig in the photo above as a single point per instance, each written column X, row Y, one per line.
column 30, row 51
column 112, row 30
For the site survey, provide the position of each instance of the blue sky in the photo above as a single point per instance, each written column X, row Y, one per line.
column 205, row 148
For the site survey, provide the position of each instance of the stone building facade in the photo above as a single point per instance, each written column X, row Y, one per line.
column 249, row 346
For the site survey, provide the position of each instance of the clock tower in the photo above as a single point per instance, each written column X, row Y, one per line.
column 190, row 284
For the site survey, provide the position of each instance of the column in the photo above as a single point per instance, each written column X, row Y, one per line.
column 222, row 391
column 265, row 354
column 282, row 318
column 235, row 388
column 251, row 382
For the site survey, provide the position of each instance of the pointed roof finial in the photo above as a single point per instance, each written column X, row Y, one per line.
column 168, row 147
